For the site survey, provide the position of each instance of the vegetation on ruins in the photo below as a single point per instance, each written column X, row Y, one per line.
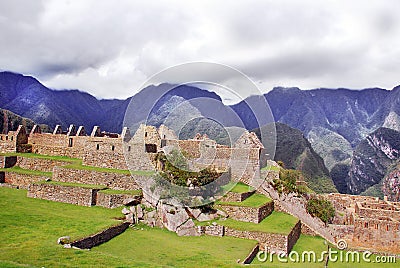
column 287, row 182
column 175, row 170
column 321, row 208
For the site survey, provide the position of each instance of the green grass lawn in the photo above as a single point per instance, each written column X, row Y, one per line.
column 316, row 244
column 239, row 188
column 255, row 201
column 29, row 229
column 19, row 170
column 277, row 222
column 131, row 192
column 50, row 157
column 272, row 168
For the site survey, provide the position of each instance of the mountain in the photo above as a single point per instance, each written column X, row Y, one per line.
column 372, row 159
column 26, row 96
column 335, row 121
column 10, row 121
column 295, row 151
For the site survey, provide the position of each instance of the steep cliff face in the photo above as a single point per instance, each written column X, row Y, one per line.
column 295, row 151
column 391, row 183
column 372, row 159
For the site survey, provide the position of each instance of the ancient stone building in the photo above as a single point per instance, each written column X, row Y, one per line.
column 138, row 152
column 367, row 222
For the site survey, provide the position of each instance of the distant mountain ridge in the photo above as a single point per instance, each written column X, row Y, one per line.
column 335, row 121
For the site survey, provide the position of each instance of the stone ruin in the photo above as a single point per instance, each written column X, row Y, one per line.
column 367, row 222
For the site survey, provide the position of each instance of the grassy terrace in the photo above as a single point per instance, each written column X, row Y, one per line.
column 255, row 201
column 19, row 170
column 277, row 222
column 131, row 192
column 70, row 184
column 74, row 163
column 29, row 229
column 49, row 157
column 239, row 188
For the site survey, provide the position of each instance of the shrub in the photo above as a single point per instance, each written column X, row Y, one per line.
column 321, row 208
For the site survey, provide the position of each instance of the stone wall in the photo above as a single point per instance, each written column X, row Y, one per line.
column 213, row 230
column 249, row 214
column 65, row 194
column 115, row 200
column 112, row 180
column 270, row 241
column 293, row 236
column 379, row 234
column 307, row 230
column 100, row 238
column 376, row 210
column 21, row 180
column 7, row 144
column 39, row 164
column 236, row 197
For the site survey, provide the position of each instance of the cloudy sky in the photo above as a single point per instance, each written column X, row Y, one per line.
column 110, row 48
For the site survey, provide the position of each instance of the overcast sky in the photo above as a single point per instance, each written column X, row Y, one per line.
column 110, row 48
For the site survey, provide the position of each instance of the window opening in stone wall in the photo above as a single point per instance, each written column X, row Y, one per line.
column 70, row 142
column 1, row 137
column 164, row 136
column 12, row 137
column 387, row 227
column 366, row 224
column 97, row 146
column 112, row 148
column 6, row 138
column 151, row 148
column 145, row 134
column 163, row 143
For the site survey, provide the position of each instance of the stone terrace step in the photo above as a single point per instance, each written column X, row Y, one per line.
column 279, row 232
column 253, row 209
column 72, row 193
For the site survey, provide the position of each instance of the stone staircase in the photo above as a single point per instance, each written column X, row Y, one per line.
column 296, row 206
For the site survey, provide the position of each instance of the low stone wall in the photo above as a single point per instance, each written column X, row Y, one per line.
column 271, row 241
column 115, row 200
column 73, row 152
column 100, row 238
column 65, row 194
column 213, row 230
column 236, row 197
column 293, row 236
column 112, row 180
column 307, row 230
column 40, row 164
column 21, row 180
column 105, row 159
column 252, row 254
column 249, row 214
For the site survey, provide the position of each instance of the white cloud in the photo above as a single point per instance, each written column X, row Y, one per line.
column 110, row 48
